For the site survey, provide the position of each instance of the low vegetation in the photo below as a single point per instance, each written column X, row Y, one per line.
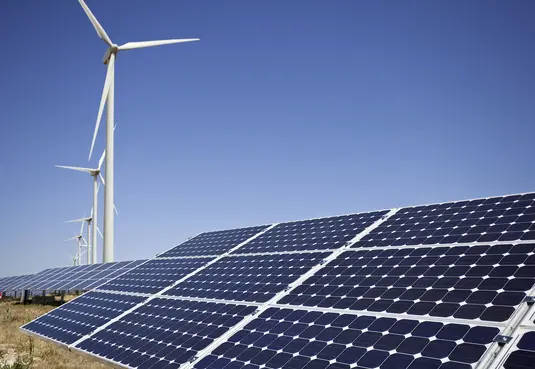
column 21, row 351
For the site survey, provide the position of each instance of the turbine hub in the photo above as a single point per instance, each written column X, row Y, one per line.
column 113, row 49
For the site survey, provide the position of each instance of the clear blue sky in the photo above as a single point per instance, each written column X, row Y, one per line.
column 285, row 110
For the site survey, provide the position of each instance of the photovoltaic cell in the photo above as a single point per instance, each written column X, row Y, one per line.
column 164, row 333
column 524, row 355
column 213, row 243
column 508, row 218
column 315, row 234
column 469, row 282
column 287, row 338
column 154, row 275
column 81, row 316
column 255, row 278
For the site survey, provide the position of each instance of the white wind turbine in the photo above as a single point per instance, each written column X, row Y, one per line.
column 91, row 239
column 73, row 258
column 95, row 173
column 79, row 238
column 88, row 242
column 108, row 100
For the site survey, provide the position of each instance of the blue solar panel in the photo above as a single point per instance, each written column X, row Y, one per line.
column 213, row 243
column 248, row 278
column 164, row 333
column 508, row 218
column 523, row 356
column 81, row 316
column 74, row 278
column 469, row 282
column 289, row 338
column 425, row 287
column 154, row 275
column 315, row 234
column 7, row 283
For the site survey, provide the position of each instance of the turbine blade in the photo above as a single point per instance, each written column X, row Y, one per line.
column 82, row 228
column 100, row 31
column 107, row 83
column 72, row 238
column 142, row 44
column 102, row 179
column 80, row 169
column 76, row 220
column 101, row 161
column 100, row 233
column 114, row 208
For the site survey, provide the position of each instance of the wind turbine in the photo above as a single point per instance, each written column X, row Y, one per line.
column 73, row 258
column 79, row 239
column 91, row 239
column 95, row 173
column 90, row 244
column 108, row 100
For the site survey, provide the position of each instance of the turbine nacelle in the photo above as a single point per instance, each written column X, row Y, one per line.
column 113, row 49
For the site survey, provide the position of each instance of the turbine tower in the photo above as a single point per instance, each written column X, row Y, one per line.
column 108, row 100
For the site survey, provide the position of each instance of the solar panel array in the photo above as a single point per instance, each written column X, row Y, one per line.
column 68, row 279
column 7, row 284
column 445, row 286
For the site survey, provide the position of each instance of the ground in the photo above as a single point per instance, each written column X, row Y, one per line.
column 20, row 351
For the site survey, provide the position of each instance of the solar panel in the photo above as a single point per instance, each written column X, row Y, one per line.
column 315, row 234
column 443, row 286
column 154, row 275
column 7, row 283
column 213, row 243
column 164, row 333
column 74, row 278
column 508, row 218
column 467, row 282
column 254, row 278
column 291, row 338
column 81, row 316
column 523, row 355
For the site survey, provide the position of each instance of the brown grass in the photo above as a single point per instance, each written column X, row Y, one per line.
column 21, row 351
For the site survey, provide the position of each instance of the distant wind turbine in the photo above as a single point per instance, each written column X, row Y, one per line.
column 95, row 173
column 88, row 220
column 108, row 100
column 73, row 258
column 79, row 238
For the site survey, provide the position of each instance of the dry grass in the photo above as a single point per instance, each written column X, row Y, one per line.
column 20, row 351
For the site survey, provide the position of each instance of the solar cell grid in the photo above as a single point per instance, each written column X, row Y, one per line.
column 523, row 356
column 74, row 278
column 315, row 234
column 154, row 275
column 508, row 218
column 7, row 283
column 213, row 243
column 102, row 275
column 287, row 338
column 468, row 282
column 255, row 278
column 164, row 333
column 81, row 316
column 64, row 278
